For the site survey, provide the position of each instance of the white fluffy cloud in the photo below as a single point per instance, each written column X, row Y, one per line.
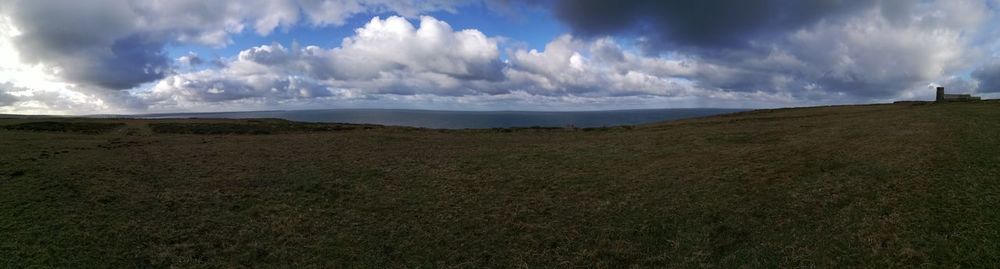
column 385, row 56
column 20, row 99
column 394, row 44
column 597, row 68
column 393, row 57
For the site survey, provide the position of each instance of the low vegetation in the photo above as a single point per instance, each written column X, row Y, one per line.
column 260, row 126
column 854, row 186
column 62, row 126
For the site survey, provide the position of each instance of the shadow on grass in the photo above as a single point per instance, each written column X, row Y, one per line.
column 74, row 127
column 253, row 127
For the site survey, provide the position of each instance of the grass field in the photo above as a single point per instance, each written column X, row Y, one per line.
column 854, row 186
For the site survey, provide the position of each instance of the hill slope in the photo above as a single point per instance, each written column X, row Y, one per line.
column 875, row 186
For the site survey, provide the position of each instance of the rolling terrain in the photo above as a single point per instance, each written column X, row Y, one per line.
column 905, row 185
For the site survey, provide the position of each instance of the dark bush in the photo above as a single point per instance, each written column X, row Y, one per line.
column 255, row 127
column 75, row 127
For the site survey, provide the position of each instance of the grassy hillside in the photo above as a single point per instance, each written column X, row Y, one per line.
column 870, row 186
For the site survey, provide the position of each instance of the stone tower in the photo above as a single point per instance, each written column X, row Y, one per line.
column 940, row 94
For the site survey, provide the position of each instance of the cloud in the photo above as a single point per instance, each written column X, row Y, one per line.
column 954, row 84
column 119, row 44
column 706, row 23
column 755, row 52
column 573, row 67
column 832, row 50
column 90, row 43
column 132, row 60
column 7, row 99
column 392, row 58
column 335, row 12
column 433, row 46
column 217, row 86
column 16, row 98
column 389, row 46
column 384, row 56
column 190, row 59
column 987, row 77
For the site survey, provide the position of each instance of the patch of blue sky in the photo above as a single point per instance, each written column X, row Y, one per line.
column 530, row 28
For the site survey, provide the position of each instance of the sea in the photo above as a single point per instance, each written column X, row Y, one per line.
column 467, row 119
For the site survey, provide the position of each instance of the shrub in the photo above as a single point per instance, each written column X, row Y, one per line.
column 75, row 127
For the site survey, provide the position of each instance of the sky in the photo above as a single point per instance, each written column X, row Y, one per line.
column 150, row 56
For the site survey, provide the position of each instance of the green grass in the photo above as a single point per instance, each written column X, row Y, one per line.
column 853, row 186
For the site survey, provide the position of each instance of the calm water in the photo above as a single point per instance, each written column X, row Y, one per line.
column 467, row 119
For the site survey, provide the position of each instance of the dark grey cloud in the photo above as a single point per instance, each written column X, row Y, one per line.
column 126, row 63
column 988, row 76
column 7, row 99
column 133, row 60
column 863, row 49
column 699, row 24
column 91, row 43
column 955, row 84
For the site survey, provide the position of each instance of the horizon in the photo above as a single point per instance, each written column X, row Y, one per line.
column 407, row 109
column 129, row 57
